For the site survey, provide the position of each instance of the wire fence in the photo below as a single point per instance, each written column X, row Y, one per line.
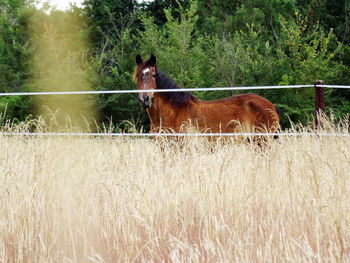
column 91, row 92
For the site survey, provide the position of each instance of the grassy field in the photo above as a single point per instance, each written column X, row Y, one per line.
column 71, row 199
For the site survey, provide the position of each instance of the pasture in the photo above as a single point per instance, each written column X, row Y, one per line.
column 75, row 199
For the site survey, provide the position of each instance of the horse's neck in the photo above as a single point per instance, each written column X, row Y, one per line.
column 162, row 114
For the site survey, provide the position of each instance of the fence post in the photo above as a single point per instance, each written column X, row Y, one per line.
column 319, row 104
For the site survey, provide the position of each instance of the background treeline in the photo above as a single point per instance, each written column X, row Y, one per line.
column 203, row 43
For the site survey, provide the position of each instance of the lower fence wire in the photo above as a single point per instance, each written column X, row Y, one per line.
column 321, row 134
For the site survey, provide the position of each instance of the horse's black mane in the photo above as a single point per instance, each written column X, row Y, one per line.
column 178, row 99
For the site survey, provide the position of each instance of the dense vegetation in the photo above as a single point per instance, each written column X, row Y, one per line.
column 201, row 43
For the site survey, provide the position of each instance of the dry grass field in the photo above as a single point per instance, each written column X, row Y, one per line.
column 74, row 199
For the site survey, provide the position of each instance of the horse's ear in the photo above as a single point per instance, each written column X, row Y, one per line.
column 152, row 61
column 138, row 59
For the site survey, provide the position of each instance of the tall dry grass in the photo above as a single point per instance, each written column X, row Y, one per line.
column 71, row 199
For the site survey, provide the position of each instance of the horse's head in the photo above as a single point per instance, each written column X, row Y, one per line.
column 145, row 78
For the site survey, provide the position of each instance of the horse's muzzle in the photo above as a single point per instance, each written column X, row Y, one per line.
column 145, row 101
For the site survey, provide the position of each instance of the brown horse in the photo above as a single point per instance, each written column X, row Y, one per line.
column 179, row 111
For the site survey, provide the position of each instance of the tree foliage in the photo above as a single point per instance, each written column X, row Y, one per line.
column 201, row 43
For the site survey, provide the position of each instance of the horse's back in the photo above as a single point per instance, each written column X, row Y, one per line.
column 247, row 112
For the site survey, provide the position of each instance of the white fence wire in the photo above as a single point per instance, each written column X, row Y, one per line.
column 241, row 134
column 152, row 90
column 91, row 92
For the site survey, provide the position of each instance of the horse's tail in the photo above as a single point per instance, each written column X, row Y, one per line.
column 279, row 123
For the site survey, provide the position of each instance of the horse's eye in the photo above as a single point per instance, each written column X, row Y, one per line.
column 153, row 75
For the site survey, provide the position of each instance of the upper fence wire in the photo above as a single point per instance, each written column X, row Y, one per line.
column 152, row 90
column 166, row 90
